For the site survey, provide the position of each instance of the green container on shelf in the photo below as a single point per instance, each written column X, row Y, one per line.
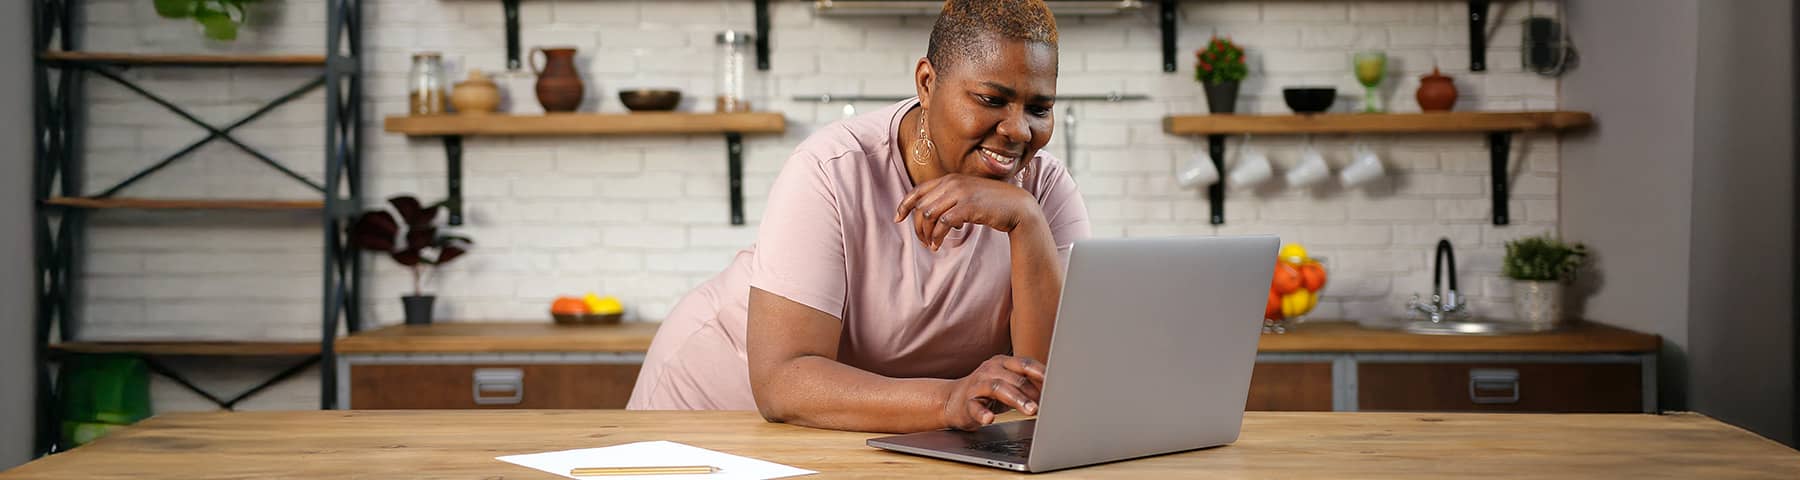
column 97, row 393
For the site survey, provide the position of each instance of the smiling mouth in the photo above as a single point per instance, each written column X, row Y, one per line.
column 1000, row 159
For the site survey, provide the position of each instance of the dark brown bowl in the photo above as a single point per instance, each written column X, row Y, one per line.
column 587, row 318
column 1309, row 99
column 650, row 99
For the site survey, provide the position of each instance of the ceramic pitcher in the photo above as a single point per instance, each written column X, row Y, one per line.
column 559, row 85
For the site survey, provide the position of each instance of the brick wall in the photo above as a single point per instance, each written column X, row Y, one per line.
column 644, row 217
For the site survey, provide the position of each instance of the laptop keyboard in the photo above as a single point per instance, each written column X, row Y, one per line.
column 1020, row 447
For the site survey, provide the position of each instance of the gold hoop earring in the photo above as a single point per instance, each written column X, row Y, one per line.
column 922, row 147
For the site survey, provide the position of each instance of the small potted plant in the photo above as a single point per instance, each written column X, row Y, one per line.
column 1220, row 69
column 410, row 235
column 218, row 19
column 1540, row 268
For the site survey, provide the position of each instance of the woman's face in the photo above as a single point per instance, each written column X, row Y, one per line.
column 989, row 114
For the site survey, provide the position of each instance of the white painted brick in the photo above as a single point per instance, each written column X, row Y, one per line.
column 1124, row 61
column 1529, row 185
column 1393, row 12
column 1304, row 210
column 1427, row 235
column 554, row 187
column 607, row 212
column 1464, row 209
column 590, row 12
column 1440, row 185
column 650, row 185
column 652, row 237
column 486, row 13
column 553, row 237
column 599, row 261
column 1224, row 12
column 644, row 38
column 1498, row 235
column 690, row 211
column 1343, row 37
column 1390, row 209
column 1125, row 162
column 1347, row 235
column 179, row 263
column 1304, row 12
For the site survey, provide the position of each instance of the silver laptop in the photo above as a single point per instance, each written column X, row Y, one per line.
column 1154, row 342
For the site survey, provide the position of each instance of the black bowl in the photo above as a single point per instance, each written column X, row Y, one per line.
column 1309, row 99
column 650, row 100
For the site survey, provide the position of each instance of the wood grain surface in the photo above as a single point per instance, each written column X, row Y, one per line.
column 1435, row 122
column 121, row 58
column 1542, row 387
column 1583, row 337
column 453, row 386
column 540, row 336
column 199, row 348
column 588, row 124
column 463, row 444
column 1290, row 387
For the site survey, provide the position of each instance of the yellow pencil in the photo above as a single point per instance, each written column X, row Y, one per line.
column 614, row 471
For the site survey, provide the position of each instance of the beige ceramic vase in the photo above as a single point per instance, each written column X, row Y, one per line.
column 475, row 96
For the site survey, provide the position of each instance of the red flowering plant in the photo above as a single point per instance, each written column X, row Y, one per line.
column 409, row 233
column 1220, row 62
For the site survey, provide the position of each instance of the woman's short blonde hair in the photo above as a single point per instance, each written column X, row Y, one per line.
column 965, row 27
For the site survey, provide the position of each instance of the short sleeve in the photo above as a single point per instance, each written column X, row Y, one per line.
column 1062, row 205
column 800, row 244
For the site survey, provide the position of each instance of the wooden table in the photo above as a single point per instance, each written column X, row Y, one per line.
column 462, row 445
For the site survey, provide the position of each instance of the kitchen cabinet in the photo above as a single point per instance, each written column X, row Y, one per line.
column 1341, row 366
column 492, row 365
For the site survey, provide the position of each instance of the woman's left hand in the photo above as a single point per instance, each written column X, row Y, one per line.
column 951, row 201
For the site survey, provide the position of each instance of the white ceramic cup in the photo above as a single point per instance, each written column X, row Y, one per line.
column 1251, row 170
column 1311, row 169
column 1198, row 172
column 1365, row 167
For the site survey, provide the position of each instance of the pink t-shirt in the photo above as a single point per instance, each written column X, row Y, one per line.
column 827, row 241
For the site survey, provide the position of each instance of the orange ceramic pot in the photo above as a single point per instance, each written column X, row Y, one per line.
column 1437, row 92
column 559, row 85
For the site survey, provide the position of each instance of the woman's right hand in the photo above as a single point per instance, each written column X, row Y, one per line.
column 999, row 383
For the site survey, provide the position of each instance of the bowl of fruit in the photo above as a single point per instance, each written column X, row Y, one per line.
column 1295, row 290
column 588, row 309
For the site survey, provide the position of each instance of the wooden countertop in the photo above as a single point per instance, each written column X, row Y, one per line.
column 463, row 444
column 1307, row 337
column 633, row 337
column 1583, row 337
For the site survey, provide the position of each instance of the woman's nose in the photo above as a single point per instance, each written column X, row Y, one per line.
column 1014, row 128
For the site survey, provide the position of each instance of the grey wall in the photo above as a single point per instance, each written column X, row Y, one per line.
column 1686, row 192
column 1627, row 185
column 1740, row 321
column 17, row 392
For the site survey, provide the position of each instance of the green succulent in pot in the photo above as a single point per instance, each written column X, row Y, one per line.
column 218, row 19
column 1544, row 259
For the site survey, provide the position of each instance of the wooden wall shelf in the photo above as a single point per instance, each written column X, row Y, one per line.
column 1435, row 122
column 119, row 58
column 184, row 204
column 645, row 123
column 185, row 347
column 453, row 127
column 1499, row 127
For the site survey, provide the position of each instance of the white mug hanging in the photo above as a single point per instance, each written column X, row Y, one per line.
column 1310, row 170
column 1365, row 167
column 1252, row 167
column 1198, row 172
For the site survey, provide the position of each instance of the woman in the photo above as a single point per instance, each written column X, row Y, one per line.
column 910, row 260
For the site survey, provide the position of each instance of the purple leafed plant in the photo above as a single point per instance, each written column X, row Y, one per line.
column 413, row 239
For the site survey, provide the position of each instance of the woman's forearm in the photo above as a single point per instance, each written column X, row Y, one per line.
column 819, row 392
column 1037, row 279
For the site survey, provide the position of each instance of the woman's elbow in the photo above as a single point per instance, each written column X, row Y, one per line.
column 767, row 394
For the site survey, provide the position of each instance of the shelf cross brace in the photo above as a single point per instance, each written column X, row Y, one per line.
column 453, row 153
column 1478, row 17
column 734, row 165
column 1167, row 22
column 1215, row 193
column 1499, row 149
column 161, row 369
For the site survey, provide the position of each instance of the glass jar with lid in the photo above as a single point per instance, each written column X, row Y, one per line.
column 425, row 85
column 733, row 58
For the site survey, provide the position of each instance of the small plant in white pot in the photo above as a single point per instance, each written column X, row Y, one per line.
column 1540, row 268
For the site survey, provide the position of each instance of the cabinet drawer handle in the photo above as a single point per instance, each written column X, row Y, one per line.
column 1493, row 385
column 499, row 386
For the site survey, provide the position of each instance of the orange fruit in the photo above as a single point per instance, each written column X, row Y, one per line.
column 1287, row 279
column 1273, row 310
column 1312, row 276
column 568, row 306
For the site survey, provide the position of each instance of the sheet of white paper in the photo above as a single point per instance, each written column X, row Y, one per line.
column 654, row 454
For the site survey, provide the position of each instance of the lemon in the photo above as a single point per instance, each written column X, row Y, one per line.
column 1292, row 253
column 1296, row 304
column 606, row 305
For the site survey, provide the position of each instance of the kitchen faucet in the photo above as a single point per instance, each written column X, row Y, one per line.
column 1443, row 306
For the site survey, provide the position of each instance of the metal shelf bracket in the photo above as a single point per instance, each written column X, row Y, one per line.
column 1499, row 149
column 1478, row 17
column 1167, row 22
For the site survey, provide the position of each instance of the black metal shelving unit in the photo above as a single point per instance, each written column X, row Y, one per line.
column 63, row 203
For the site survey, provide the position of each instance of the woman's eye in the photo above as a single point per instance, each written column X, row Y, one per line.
column 1039, row 111
column 992, row 101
